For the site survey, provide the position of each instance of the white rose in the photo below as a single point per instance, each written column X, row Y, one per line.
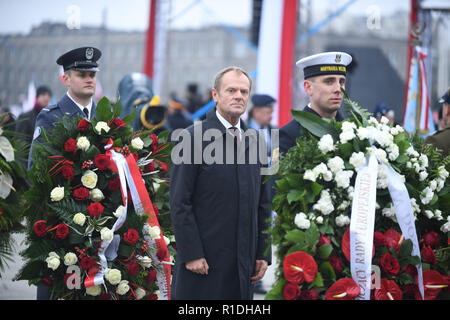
column 70, row 258
column 358, row 160
column 342, row 220
column 53, row 261
column 83, row 143
column 101, row 125
column 123, row 287
column 106, row 234
column 335, row 164
column 301, row 221
column 145, row 262
column 113, row 276
column 319, row 220
column 94, row 291
column 89, row 179
column 154, row 232
column 310, row 175
column 57, row 194
column 326, row 143
column 166, row 240
column 139, row 293
column 445, row 227
column 137, row 143
column 384, row 120
column 96, row 195
column 79, row 219
column 118, row 211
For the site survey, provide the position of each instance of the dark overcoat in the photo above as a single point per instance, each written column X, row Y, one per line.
column 51, row 114
column 219, row 212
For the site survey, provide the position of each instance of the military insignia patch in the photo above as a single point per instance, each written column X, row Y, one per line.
column 338, row 58
column 37, row 132
column 89, row 53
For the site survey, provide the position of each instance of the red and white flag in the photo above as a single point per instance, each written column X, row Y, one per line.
column 276, row 55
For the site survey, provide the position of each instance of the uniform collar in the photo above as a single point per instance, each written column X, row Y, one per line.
column 89, row 106
column 226, row 124
column 338, row 116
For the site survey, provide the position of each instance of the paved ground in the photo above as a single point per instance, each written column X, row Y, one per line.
column 20, row 290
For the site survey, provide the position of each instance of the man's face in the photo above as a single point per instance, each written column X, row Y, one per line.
column 81, row 83
column 325, row 93
column 43, row 99
column 232, row 97
column 262, row 115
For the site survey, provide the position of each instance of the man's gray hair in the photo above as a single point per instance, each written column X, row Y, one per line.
column 219, row 75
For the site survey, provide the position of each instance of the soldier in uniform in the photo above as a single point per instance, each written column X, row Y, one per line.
column 324, row 75
column 441, row 139
column 80, row 68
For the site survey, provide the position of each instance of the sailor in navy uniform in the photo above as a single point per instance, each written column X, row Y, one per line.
column 80, row 68
column 324, row 75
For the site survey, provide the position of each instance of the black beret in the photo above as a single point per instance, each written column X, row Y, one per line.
column 262, row 100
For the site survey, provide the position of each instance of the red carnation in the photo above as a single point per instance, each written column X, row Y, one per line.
column 40, row 228
column 70, row 145
column 431, row 239
column 81, row 193
column 62, row 230
column 299, row 267
column 151, row 276
column 393, row 239
column 343, row 289
column 428, row 255
column 102, row 161
column 291, row 291
column 389, row 290
column 114, row 184
column 310, row 294
column 95, row 209
column 131, row 236
column 379, row 240
column 389, row 264
column 67, row 172
column 83, row 125
column 118, row 123
column 336, row 263
column 133, row 268
column 433, row 283
column 87, row 263
column 346, row 245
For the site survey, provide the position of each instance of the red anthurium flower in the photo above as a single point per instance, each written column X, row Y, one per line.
column 299, row 267
column 343, row 289
column 433, row 282
column 394, row 239
column 346, row 245
column 389, row 290
column 291, row 291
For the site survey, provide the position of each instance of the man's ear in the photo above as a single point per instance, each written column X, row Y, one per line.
column 307, row 86
column 215, row 95
column 66, row 77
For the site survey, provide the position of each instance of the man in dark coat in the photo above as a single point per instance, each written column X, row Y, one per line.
column 80, row 68
column 324, row 75
column 219, row 210
column 441, row 138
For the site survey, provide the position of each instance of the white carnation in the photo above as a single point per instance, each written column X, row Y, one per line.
column 423, row 175
column 442, row 173
column 358, row 160
column 301, row 221
column 342, row 220
column 393, row 151
column 381, row 155
column 427, row 195
column 326, row 143
column 342, row 178
column 346, row 136
column 362, row 133
column 336, row 164
column 324, row 204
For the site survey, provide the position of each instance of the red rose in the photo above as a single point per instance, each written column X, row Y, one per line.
column 393, row 239
column 67, row 172
column 389, row 264
column 431, row 239
column 345, row 245
column 95, row 209
column 133, row 268
column 389, row 290
column 433, row 283
column 410, row 269
column 428, row 255
column 81, row 193
column 291, row 291
column 40, row 228
column 155, row 141
column 83, row 125
column 299, row 267
column 310, row 294
column 151, row 276
column 62, row 230
column 379, row 240
column 131, row 236
column 118, row 123
column 336, row 263
column 114, row 184
column 102, row 161
column 150, row 167
column 87, row 263
column 163, row 166
column 70, row 145
column 323, row 240
column 343, row 289
column 155, row 208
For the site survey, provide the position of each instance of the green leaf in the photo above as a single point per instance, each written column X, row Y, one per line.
column 314, row 124
column 128, row 119
column 318, row 281
column 346, row 149
column 316, row 188
column 117, row 109
column 277, row 291
column 296, row 236
column 327, row 271
column 103, row 110
column 324, row 251
column 312, row 234
column 406, row 248
column 295, row 195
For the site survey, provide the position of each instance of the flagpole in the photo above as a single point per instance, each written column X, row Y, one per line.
column 150, row 41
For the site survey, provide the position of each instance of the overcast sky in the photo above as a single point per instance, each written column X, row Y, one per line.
column 19, row 16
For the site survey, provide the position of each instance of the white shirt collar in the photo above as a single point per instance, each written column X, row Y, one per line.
column 88, row 106
column 226, row 124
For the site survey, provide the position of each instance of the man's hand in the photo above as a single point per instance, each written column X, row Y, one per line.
column 260, row 270
column 199, row 266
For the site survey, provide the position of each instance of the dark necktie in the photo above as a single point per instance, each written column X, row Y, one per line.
column 86, row 112
column 235, row 132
